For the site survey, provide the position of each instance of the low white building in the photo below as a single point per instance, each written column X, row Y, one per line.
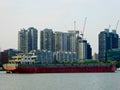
column 45, row 56
column 61, row 56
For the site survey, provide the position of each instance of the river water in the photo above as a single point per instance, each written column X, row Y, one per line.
column 63, row 81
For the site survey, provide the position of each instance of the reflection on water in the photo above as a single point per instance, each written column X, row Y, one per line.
column 67, row 81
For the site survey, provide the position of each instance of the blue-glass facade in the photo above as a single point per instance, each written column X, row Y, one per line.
column 113, row 55
column 107, row 40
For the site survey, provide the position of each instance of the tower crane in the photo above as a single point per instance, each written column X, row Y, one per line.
column 109, row 27
column 74, row 25
column 82, row 33
column 117, row 25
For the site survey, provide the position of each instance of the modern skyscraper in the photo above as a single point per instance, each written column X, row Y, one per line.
column 114, row 39
column 46, row 40
column 32, row 39
column 65, row 41
column 61, row 41
column 82, row 51
column 58, row 40
column 107, row 40
column 28, row 39
column 22, row 40
column 119, row 43
column 89, row 51
column 72, row 40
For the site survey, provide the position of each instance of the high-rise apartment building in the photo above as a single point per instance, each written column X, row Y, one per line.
column 22, row 40
column 82, row 51
column 65, row 41
column 32, row 39
column 61, row 41
column 28, row 39
column 107, row 40
column 46, row 39
column 72, row 40
column 58, row 41
column 89, row 51
column 119, row 43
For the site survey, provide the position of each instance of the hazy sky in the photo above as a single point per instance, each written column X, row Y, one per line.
column 58, row 15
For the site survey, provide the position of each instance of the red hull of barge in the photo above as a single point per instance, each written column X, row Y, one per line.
column 64, row 70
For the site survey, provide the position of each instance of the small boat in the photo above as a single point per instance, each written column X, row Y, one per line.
column 118, row 69
column 1, row 69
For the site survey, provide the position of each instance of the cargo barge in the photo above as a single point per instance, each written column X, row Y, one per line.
column 27, row 64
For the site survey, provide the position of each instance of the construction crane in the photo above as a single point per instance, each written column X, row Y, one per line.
column 109, row 27
column 82, row 33
column 76, row 32
column 117, row 25
column 74, row 25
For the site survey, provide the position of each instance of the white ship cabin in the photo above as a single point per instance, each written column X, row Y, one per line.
column 29, row 58
column 16, row 59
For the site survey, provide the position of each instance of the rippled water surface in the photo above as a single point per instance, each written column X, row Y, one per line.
column 67, row 81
